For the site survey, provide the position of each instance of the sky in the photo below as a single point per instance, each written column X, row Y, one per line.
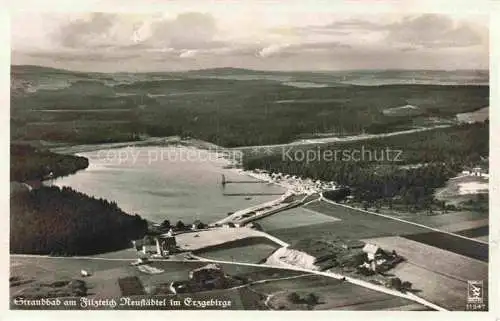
column 260, row 35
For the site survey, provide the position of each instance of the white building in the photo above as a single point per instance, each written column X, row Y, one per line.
column 372, row 251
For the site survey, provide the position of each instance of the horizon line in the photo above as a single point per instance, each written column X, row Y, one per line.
column 249, row 69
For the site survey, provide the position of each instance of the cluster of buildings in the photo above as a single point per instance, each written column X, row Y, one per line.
column 476, row 171
column 377, row 260
column 208, row 277
column 294, row 183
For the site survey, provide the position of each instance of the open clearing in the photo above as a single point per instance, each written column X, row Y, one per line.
column 440, row 275
column 462, row 188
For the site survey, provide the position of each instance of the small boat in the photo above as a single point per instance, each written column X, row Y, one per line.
column 248, row 198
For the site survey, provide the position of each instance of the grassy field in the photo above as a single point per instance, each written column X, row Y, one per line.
column 333, row 295
column 439, row 276
column 451, row 221
column 198, row 240
column 293, row 218
column 351, row 225
column 253, row 253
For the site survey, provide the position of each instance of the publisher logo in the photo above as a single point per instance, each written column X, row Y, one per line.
column 475, row 292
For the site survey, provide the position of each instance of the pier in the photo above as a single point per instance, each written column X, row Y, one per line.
column 225, row 181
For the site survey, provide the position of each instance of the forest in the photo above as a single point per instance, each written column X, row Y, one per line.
column 30, row 163
column 428, row 160
column 223, row 111
column 55, row 221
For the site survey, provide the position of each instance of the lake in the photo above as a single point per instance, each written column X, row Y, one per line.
column 172, row 182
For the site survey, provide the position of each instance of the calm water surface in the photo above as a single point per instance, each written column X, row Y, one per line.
column 175, row 183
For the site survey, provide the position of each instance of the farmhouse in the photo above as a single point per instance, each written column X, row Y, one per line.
column 161, row 245
column 167, row 244
column 372, row 251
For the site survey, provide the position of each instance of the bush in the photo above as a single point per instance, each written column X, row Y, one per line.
column 294, row 298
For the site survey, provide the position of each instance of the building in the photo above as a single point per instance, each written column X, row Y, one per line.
column 146, row 245
column 476, row 171
column 167, row 244
column 372, row 251
column 210, row 276
column 161, row 245
column 197, row 225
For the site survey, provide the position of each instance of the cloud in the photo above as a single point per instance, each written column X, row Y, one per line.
column 272, row 50
column 433, row 31
column 191, row 30
column 425, row 31
column 199, row 40
column 284, row 50
column 84, row 31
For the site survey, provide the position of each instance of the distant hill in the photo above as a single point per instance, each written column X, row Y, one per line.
column 232, row 71
column 32, row 69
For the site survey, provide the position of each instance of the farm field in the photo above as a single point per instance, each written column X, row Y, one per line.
column 251, row 253
column 439, row 276
column 452, row 243
column 333, row 294
column 475, row 232
column 451, row 221
column 352, row 225
column 295, row 217
column 464, row 225
column 485, row 238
